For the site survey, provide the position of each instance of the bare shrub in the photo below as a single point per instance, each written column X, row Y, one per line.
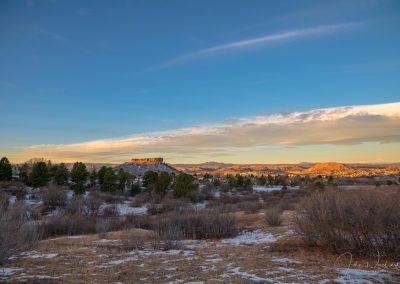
column 103, row 226
column 168, row 205
column 195, row 225
column 3, row 201
column 76, row 206
column 93, row 205
column 69, row 225
column 137, row 221
column 273, row 216
column 250, row 206
column 132, row 240
column 140, row 199
column 54, row 196
column 363, row 222
column 16, row 233
column 196, row 196
column 107, row 197
column 110, row 211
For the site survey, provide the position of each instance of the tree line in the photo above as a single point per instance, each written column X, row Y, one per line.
column 39, row 172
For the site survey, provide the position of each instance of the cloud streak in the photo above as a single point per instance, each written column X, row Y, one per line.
column 266, row 39
column 333, row 126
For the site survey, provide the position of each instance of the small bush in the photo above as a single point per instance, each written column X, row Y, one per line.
column 16, row 233
column 250, row 206
column 54, row 196
column 137, row 221
column 69, row 225
column 273, row 216
column 76, row 206
column 110, row 211
column 93, row 205
column 195, row 225
column 363, row 222
column 132, row 240
column 3, row 201
column 103, row 226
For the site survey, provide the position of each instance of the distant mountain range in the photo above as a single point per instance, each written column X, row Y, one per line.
column 331, row 168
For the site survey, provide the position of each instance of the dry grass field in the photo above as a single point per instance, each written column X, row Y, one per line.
column 258, row 254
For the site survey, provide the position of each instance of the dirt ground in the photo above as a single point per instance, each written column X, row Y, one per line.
column 259, row 254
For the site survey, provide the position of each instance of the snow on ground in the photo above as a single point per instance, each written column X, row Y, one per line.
column 124, row 209
column 250, row 238
column 8, row 271
column 11, row 200
column 34, row 254
column 245, row 275
column 272, row 188
column 284, row 260
column 360, row 276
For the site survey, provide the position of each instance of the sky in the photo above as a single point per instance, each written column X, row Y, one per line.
column 195, row 81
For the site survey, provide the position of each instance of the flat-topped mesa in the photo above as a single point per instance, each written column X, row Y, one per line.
column 147, row 161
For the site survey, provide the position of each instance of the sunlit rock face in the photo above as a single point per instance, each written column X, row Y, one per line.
column 147, row 161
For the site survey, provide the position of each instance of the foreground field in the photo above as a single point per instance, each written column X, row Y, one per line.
column 258, row 254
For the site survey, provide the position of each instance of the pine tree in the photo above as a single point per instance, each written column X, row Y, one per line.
column 5, row 170
column 61, row 174
column 79, row 175
column 39, row 175
column 109, row 181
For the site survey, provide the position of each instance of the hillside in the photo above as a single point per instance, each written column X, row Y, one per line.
column 140, row 168
column 328, row 168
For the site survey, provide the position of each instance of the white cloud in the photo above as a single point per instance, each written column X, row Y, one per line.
column 266, row 39
column 336, row 126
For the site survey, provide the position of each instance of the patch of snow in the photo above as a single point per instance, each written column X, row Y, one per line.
column 214, row 259
column 103, row 241
column 250, row 238
column 202, row 205
column 272, row 188
column 360, row 276
column 34, row 254
column 76, row 237
column 245, row 275
column 11, row 200
column 119, row 261
column 284, row 260
column 8, row 271
column 124, row 209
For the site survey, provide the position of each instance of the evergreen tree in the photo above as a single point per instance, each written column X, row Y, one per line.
column 61, row 174
column 79, row 175
column 39, row 175
column 216, row 182
column 183, row 185
column 135, row 189
column 5, row 170
column 124, row 179
column 149, row 179
column 109, row 181
column 162, row 183
column 93, row 177
column 239, row 181
column 100, row 174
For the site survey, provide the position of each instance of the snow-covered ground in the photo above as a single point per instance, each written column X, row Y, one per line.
column 124, row 209
column 272, row 188
column 250, row 238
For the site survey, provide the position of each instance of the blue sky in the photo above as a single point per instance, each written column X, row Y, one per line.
column 76, row 71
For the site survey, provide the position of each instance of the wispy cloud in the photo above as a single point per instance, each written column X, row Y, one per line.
column 333, row 126
column 265, row 39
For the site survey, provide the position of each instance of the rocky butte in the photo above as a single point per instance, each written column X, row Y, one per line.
column 139, row 166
